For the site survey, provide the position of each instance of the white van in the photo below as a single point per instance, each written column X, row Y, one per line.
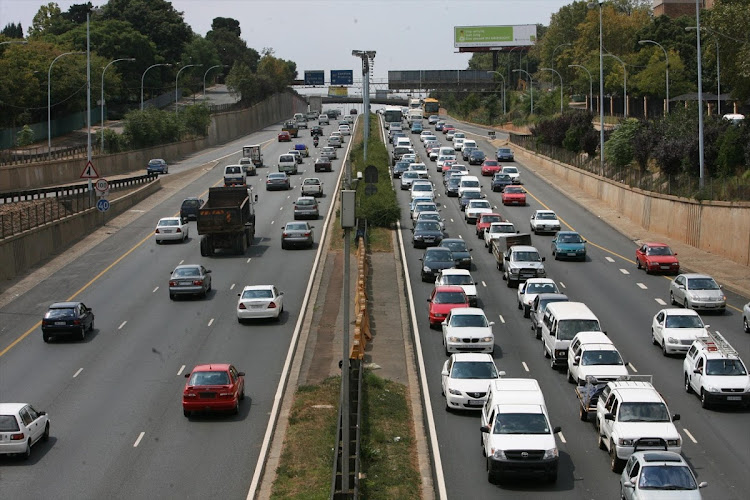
column 469, row 143
column 517, row 436
column 592, row 354
column 404, row 142
column 561, row 322
column 287, row 163
column 468, row 183
column 446, row 151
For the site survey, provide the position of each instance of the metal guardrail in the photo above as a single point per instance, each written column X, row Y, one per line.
column 25, row 210
column 42, row 153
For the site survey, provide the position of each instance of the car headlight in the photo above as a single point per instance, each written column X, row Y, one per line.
column 454, row 392
column 672, row 340
column 487, row 339
column 711, row 388
column 552, row 453
column 561, row 354
column 426, row 269
column 625, row 442
column 674, row 442
column 498, row 455
column 438, row 315
column 453, row 339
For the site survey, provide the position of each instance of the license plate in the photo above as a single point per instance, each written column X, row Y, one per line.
column 571, row 254
column 734, row 398
column 474, row 402
column 186, row 282
column 665, row 267
column 257, row 306
column 60, row 323
column 166, row 231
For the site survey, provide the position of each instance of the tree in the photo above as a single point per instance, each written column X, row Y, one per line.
column 727, row 23
column 618, row 150
column 231, row 49
column 77, row 13
column 48, row 21
column 226, row 24
column 12, row 30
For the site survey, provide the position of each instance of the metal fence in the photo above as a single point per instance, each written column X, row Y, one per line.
column 42, row 153
column 25, row 210
column 683, row 185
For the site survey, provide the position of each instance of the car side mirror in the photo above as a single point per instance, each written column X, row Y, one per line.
column 675, row 417
column 703, row 484
column 241, row 374
column 698, row 371
column 485, row 429
column 208, row 271
column 239, row 295
column 609, row 416
column 476, row 282
column 627, row 484
column 492, row 323
column 544, row 258
column 41, row 413
column 675, row 254
column 444, row 373
column 256, row 197
column 557, row 430
column 187, row 375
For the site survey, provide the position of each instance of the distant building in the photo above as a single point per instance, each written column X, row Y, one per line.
column 677, row 8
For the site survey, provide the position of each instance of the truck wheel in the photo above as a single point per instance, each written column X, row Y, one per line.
column 688, row 389
column 544, row 351
column 616, row 464
column 526, row 311
column 583, row 414
column 204, row 247
column 510, row 283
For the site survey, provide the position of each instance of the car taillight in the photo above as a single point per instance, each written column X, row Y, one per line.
column 197, row 282
column 172, row 283
column 17, row 437
column 268, row 181
column 285, row 235
column 272, row 305
column 179, row 230
column 242, row 306
column 307, row 233
column 76, row 321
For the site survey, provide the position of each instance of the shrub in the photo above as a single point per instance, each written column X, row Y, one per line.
column 25, row 136
column 618, row 150
column 195, row 120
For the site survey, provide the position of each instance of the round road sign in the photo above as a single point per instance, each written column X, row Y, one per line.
column 102, row 205
column 102, row 185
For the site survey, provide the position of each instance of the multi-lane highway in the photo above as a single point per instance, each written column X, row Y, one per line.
column 114, row 400
column 715, row 442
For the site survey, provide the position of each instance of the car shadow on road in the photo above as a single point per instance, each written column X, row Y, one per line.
column 71, row 339
column 565, row 479
column 38, row 452
column 223, row 416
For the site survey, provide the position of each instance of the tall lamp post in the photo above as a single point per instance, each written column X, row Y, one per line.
column 509, row 57
column 666, row 57
column 718, row 71
column 593, row 5
column 206, row 74
column 701, row 156
column 49, row 100
column 561, row 85
column 553, row 52
column 501, row 76
column 176, row 108
column 591, row 84
column 531, row 86
column 624, row 84
column 102, row 101
column 19, row 42
column 144, row 76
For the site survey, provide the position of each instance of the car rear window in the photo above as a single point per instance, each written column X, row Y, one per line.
column 209, row 378
column 169, row 222
column 286, row 158
column 61, row 313
column 305, row 202
column 257, row 294
column 8, row 423
column 190, row 203
column 184, row 273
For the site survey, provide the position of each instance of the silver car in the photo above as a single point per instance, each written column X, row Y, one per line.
column 189, row 279
column 746, row 317
column 697, row 291
column 297, row 234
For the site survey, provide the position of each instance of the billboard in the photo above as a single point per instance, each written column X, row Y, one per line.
column 342, row 77
column 315, row 77
column 338, row 92
column 494, row 36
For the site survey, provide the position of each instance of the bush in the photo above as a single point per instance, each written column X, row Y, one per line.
column 113, row 142
column 151, row 127
column 195, row 120
column 731, row 154
column 25, row 136
column 618, row 150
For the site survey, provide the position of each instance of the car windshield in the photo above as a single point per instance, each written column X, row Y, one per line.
column 437, row 255
column 453, row 182
column 187, row 272
column 474, row 370
column 469, row 320
column 543, row 303
column 430, row 217
column 513, row 190
column 725, row 367
column 683, row 321
column 421, row 187
column 569, row 238
column 606, row 357
column 546, row 216
column 61, row 313
column 510, row 170
column 526, row 256
column 427, row 225
column 490, row 163
column 426, row 207
column 477, row 154
column 306, row 202
column 411, row 174
column 503, row 150
column 209, row 378
column 521, row 423
column 472, row 194
column 471, row 184
column 457, row 279
column 658, row 251
column 502, row 228
column 154, row 163
column 277, row 176
column 489, row 219
column 480, row 204
column 643, row 412
column 455, row 246
column 702, row 284
column 501, row 177
column 541, row 288
column 257, row 294
column 169, row 222
column 666, row 477
column 567, row 329
column 449, row 298
column 298, row 226
column 287, row 158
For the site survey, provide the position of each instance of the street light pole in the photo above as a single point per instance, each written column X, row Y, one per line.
column 561, row 85
column 591, row 84
column 175, row 83
column 531, row 86
column 102, row 100
column 553, row 52
column 624, row 85
column 19, row 42
column 144, row 76
column 601, row 87
column 718, row 70
column 501, row 76
column 666, row 57
column 700, row 93
column 204, row 78
column 49, row 100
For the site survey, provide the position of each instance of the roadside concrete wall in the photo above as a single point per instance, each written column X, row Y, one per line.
column 722, row 228
column 25, row 250
column 224, row 127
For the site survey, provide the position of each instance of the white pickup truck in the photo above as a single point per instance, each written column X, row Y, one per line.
column 312, row 186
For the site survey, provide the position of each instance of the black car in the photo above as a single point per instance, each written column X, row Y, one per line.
column 316, row 131
column 67, row 318
column 466, row 152
column 435, row 260
column 451, row 187
column 504, row 154
column 477, row 157
column 189, row 208
column 400, row 168
column 427, row 233
column 460, row 251
column 499, row 181
column 467, row 197
column 323, row 163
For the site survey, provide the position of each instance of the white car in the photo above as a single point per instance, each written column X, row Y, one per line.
column 593, row 356
column 674, row 330
column 462, row 278
column 458, row 143
column 714, row 371
column 466, row 378
column 430, row 138
column 497, row 230
column 697, row 291
column 330, row 152
column 431, row 215
column 466, row 329
column 422, row 189
column 260, row 301
column 424, row 206
column 345, row 129
column 21, row 427
column 514, row 174
column 434, row 153
column 424, row 134
column 528, row 290
column 659, row 475
column 338, row 134
column 171, row 229
column 442, row 159
column 544, row 221
column 407, row 178
column 746, row 317
column 421, row 168
column 475, row 209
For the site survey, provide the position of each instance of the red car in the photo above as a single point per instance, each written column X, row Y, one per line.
column 448, row 128
column 484, row 222
column 443, row 299
column 285, row 137
column 657, row 257
column 214, row 387
column 514, row 195
column 491, row 167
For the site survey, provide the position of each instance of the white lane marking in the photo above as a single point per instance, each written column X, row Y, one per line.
column 451, row 220
column 460, row 236
column 121, row 325
column 624, row 271
column 525, row 366
column 630, row 365
column 562, row 285
column 281, row 208
column 660, row 302
column 138, row 441
column 154, row 290
column 211, row 322
column 77, row 373
column 232, row 287
column 562, row 438
column 484, row 284
column 609, row 259
column 690, row 436
column 271, row 222
column 248, row 260
column 502, row 320
column 642, row 286
column 445, row 206
column 288, row 196
column 179, row 372
column 183, row 260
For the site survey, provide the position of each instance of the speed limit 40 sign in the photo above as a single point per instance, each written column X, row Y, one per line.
column 102, row 185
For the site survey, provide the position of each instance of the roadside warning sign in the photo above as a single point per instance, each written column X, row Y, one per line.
column 89, row 172
column 102, row 185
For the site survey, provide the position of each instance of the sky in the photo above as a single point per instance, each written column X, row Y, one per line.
column 321, row 34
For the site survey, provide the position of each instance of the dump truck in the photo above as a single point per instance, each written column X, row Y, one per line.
column 226, row 220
